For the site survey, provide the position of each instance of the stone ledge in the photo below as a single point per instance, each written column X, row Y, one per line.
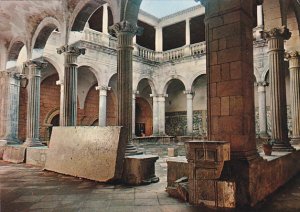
column 14, row 153
column 36, row 156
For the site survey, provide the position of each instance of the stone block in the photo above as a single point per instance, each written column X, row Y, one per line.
column 36, row 156
column 172, row 152
column 140, row 169
column 95, row 153
column 14, row 153
column 177, row 168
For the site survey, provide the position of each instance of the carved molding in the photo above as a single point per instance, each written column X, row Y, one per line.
column 37, row 63
column 292, row 55
column 263, row 83
column 277, row 32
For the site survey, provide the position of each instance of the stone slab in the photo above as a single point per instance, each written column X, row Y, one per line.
column 172, row 152
column 95, row 153
column 140, row 169
column 14, row 153
column 36, row 156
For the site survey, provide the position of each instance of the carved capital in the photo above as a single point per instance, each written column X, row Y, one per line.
column 36, row 63
column 76, row 51
column 263, row 83
column 127, row 27
column 259, row 2
column 102, row 88
column 277, row 32
column 188, row 92
column 292, row 55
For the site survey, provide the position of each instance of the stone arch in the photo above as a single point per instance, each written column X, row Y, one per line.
column 14, row 50
column 195, row 78
column 170, row 79
column 84, row 9
column 43, row 31
column 87, row 78
column 51, row 115
column 59, row 70
column 150, row 82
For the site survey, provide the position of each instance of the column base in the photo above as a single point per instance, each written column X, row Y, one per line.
column 9, row 141
column 32, row 142
column 282, row 147
column 132, row 150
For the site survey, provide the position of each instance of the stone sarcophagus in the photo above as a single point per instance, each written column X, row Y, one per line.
column 206, row 160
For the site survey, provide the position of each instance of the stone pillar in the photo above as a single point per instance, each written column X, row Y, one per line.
column 33, row 105
column 260, row 16
column 261, row 89
column 69, row 115
column 102, row 104
column 9, row 116
column 230, row 75
column 279, row 136
column 162, row 114
column 158, row 39
column 189, row 111
column 187, row 32
column 105, row 19
column 294, row 63
column 155, row 115
column 125, row 32
column 134, row 93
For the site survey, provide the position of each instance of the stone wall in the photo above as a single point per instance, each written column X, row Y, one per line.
column 176, row 123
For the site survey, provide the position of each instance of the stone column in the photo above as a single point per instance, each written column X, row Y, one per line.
column 279, row 136
column 189, row 111
column 155, row 115
column 162, row 114
column 33, row 105
column 260, row 16
column 294, row 63
column 158, row 39
column 231, row 96
column 105, row 19
column 9, row 116
column 69, row 115
column 125, row 32
column 187, row 32
column 134, row 93
column 102, row 104
column 261, row 89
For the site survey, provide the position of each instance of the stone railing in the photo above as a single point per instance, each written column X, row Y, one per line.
column 198, row 48
column 145, row 53
column 100, row 38
column 173, row 54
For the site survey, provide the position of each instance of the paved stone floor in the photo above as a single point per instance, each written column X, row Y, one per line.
column 28, row 188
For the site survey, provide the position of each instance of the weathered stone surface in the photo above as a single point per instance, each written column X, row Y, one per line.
column 177, row 168
column 95, row 153
column 180, row 189
column 14, row 154
column 140, row 169
column 36, row 156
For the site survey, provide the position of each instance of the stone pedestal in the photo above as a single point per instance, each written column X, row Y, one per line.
column 140, row 169
column 36, row 156
column 206, row 161
column 275, row 38
column 177, row 168
column 69, row 110
column 33, row 105
column 14, row 153
column 294, row 62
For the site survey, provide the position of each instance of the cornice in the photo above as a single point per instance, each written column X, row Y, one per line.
column 182, row 12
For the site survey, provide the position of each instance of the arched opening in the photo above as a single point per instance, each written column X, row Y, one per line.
column 176, row 117
column 95, row 22
column 16, row 54
column 293, row 23
column 88, row 96
column 143, row 108
column 111, row 111
column 199, row 89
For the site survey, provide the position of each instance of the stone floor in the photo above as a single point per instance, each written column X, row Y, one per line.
column 28, row 188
